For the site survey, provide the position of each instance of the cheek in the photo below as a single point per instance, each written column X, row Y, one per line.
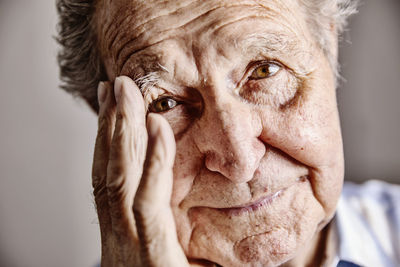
column 274, row 92
column 188, row 162
column 308, row 130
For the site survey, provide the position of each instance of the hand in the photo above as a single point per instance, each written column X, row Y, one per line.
column 132, row 187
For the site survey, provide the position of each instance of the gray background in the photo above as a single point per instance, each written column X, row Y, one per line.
column 46, row 138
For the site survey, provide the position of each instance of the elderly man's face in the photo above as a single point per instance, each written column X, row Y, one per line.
column 251, row 100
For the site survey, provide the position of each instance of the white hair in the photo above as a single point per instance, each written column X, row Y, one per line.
column 325, row 16
column 81, row 67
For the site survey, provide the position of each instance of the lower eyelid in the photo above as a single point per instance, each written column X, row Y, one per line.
column 275, row 89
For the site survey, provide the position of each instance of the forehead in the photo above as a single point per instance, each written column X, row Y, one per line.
column 126, row 27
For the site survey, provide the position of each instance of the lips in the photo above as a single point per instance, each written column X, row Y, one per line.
column 264, row 201
column 252, row 206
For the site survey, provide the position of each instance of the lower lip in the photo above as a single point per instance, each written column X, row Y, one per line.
column 253, row 207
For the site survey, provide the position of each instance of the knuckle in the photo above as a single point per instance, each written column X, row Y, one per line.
column 99, row 190
column 105, row 122
column 98, row 181
column 117, row 189
column 121, row 114
column 129, row 145
column 143, row 207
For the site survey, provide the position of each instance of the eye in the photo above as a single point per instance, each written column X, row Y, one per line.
column 163, row 104
column 265, row 70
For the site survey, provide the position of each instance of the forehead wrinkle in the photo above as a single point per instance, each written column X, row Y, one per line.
column 148, row 64
column 121, row 41
column 292, row 18
column 110, row 32
column 122, row 38
column 125, row 60
column 132, row 42
column 204, row 7
column 283, row 41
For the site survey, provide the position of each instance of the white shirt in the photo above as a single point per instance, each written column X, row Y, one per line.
column 368, row 225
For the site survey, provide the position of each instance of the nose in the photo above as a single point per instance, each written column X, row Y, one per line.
column 228, row 136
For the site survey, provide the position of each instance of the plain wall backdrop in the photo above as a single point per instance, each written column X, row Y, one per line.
column 47, row 217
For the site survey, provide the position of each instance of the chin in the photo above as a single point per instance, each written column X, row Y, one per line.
column 269, row 235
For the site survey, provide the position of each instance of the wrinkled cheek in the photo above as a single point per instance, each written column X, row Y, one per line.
column 186, row 166
column 311, row 137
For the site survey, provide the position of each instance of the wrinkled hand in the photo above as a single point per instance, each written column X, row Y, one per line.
column 132, row 181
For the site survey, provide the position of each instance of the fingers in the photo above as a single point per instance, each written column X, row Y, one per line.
column 106, row 122
column 119, row 158
column 126, row 157
column 153, row 215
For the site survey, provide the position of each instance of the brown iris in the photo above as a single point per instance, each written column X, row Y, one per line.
column 265, row 71
column 163, row 104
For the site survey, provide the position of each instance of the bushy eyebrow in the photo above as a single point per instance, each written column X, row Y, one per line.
column 151, row 78
column 147, row 81
column 267, row 43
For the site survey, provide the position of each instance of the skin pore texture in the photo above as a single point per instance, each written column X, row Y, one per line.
column 259, row 162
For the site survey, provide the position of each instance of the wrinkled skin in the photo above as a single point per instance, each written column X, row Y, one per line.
column 241, row 138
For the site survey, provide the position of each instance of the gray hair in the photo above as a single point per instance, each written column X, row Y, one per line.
column 81, row 67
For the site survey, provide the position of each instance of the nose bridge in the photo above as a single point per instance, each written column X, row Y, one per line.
column 230, row 139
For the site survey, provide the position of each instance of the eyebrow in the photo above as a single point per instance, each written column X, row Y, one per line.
column 151, row 78
column 147, row 81
column 268, row 43
column 277, row 44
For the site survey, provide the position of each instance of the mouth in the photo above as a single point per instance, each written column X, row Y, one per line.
column 238, row 210
column 253, row 206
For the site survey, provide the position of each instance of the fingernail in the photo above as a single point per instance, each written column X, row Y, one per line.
column 117, row 88
column 101, row 92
